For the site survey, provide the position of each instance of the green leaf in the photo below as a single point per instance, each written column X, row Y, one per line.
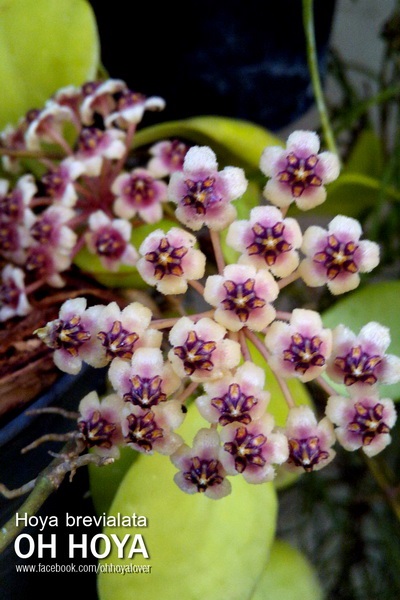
column 236, row 142
column 199, row 548
column 289, row 575
column 375, row 302
column 44, row 45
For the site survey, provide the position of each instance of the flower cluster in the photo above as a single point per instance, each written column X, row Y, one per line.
column 96, row 193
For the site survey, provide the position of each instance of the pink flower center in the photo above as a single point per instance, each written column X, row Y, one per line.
column 337, row 257
column 90, row 139
column 145, row 391
column 300, row 173
column 234, row 406
column 241, row 298
column 167, row 259
column 55, row 182
column 11, row 205
column 203, row 473
column 304, row 352
column 367, row 422
column 41, row 231
column 268, row 242
column 246, row 449
column 358, row 366
column 196, row 354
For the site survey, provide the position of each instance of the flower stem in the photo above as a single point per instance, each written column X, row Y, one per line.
column 309, row 30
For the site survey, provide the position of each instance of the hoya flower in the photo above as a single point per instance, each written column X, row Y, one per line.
column 48, row 126
column 71, row 334
column 361, row 360
column 13, row 137
column 267, row 241
column 110, row 241
column 146, row 381
column 169, row 260
column 44, row 262
column 253, row 449
column 200, row 469
column 200, row 350
column 167, row 157
column 152, row 430
column 235, row 398
column 336, row 256
column 131, row 107
column 301, row 347
column 14, row 238
column 94, row 145
column 204, row 194
column 101, row 101
column 71, row 97
column 99, row 423
column 310, row 442
column 118, row 333
column 51, row 229
column 242, row 297
column 363, row 421
column 13, row 299
column 139, row 192
column 298, row 173
column 59, row 182
column 15, row 203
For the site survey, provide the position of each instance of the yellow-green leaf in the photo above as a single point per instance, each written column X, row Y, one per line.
column 44, row 45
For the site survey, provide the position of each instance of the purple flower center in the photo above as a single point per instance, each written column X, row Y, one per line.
column 306, row 452
column 109, row 243
column 9, row 294
column 97, row 431
column 300, row 173
column 39, row 261
column 128, row 99
column 90, row 139
column 145, row 391
column 69, row 335
column 143, row 430
column 337, row 257
column 304, row 352
column 195, row 354
column 200, row 195
column 358, row 366
column 268, row 242
column 11, row 205
column 241, row 298
column 90, row 87
column 203, row 473
column 54, row 182
column 41, row 231
column 174, row 154
column 234, row 406
column 368, row 422
column 246, row 449
column 118, row 341
column 139, row 191
column 9, row 238
column 167, row 259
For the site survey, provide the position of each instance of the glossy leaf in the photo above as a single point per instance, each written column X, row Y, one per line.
column 199, row 548
column 376, row 302
column 44, row 45
column 289, row 575
column 236, row 142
